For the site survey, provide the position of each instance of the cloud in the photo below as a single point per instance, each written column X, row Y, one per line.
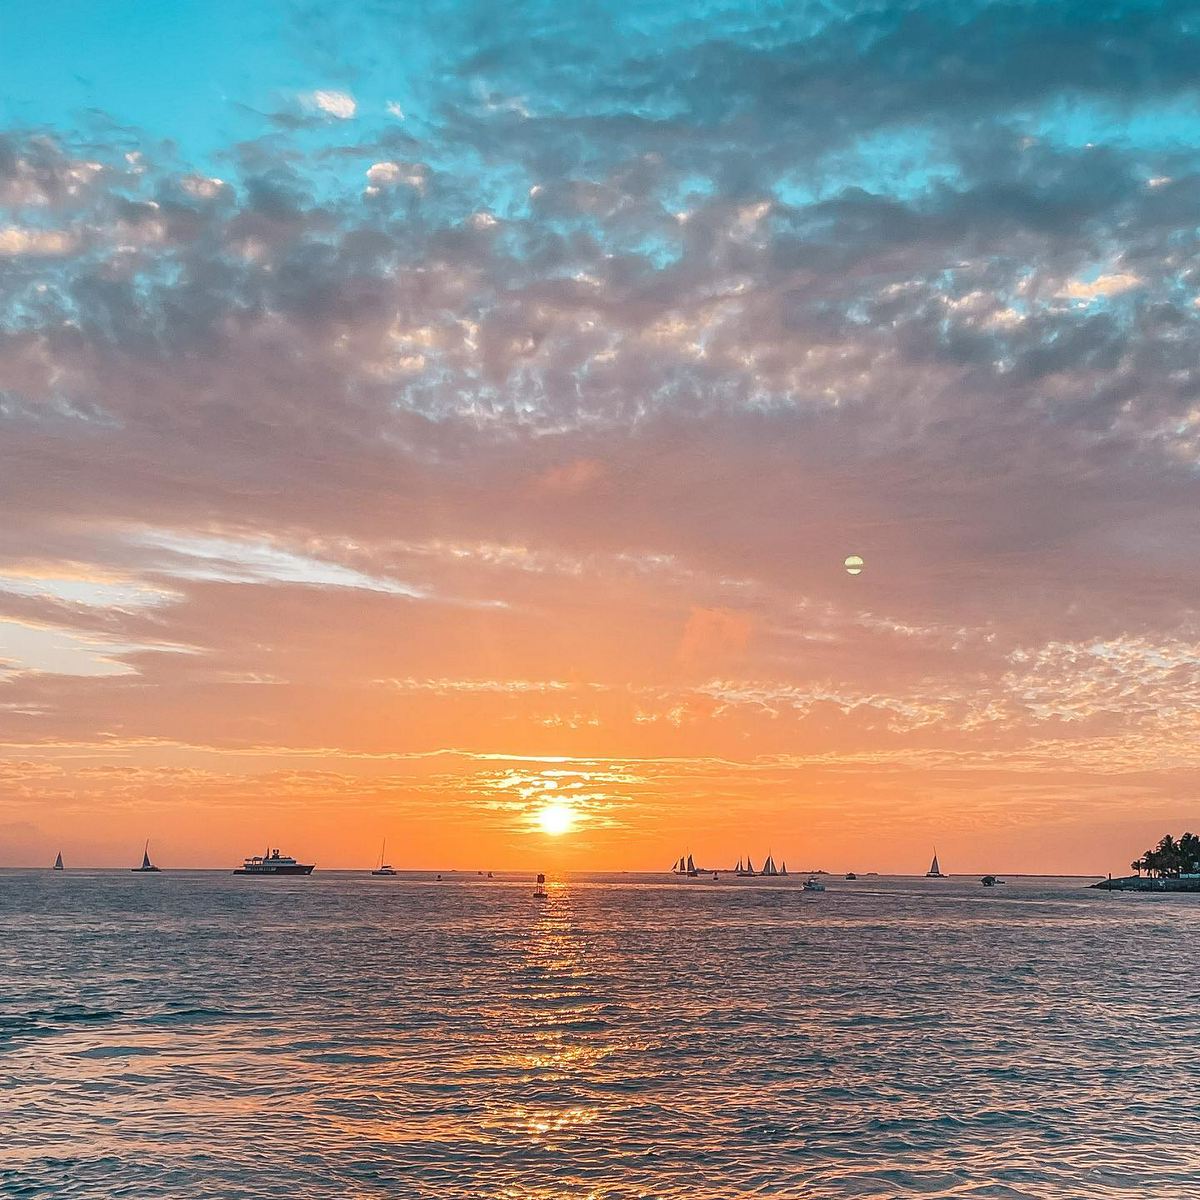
column 1101, row 287
column 341, row 105
column 17, row 241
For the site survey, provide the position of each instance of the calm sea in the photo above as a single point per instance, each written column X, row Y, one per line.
column 193, row 1034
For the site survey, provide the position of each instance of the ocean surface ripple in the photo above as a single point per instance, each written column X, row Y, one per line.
column 194, row 1034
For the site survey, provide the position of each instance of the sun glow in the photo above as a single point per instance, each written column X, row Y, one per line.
column 556, row 819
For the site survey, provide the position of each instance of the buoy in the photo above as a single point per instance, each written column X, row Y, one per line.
column 853, row 564
column 540, row 891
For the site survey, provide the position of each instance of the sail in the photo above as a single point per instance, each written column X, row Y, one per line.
column 749, row 865
column 58, row 863
column 691, row 866
column 934, row 869
column 783, row 869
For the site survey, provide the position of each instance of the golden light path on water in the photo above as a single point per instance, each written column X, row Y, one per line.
column 197, row 1035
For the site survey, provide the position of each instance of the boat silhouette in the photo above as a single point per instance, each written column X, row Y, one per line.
column 58, row 863
column 273, row 863
column 685, row 866
column 383, row 868
column 147, row 865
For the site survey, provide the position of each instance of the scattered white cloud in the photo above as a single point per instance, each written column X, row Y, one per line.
column 341, row 105
column 16, row 241
column 1101, row 287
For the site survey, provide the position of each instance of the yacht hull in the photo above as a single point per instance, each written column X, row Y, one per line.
column 298, row 869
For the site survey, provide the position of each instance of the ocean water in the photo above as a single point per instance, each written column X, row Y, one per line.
column 195, row 1034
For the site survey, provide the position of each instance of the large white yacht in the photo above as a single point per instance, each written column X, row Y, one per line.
column 273, row 863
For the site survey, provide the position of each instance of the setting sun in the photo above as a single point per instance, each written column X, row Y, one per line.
column 556, row 819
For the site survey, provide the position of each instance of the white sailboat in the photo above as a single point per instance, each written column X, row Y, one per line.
column 147, row 865
column 934, row 872
column 58, row 863
column 383, row 868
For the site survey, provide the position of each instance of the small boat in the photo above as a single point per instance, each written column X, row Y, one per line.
column 934, row 872
column 383, row 868
column 851, row 875
column 812, row 884
column 746, row 870
column 273, row 863
column 58, row 863
column 539, row 893
column 685, row 866
column 490, row 875
column 147, row 865
column 768, row 868
column 990, row 881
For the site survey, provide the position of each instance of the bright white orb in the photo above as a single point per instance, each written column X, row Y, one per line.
column 555, row 819
column 853, row 564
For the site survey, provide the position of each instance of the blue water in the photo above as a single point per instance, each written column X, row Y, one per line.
column 194, row 1034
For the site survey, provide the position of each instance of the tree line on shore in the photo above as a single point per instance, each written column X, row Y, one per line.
column 1171, row 858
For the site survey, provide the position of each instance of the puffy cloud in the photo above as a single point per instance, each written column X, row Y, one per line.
column 341, row 105
column 17, row 241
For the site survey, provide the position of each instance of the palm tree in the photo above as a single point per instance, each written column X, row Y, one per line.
column 1189, row 853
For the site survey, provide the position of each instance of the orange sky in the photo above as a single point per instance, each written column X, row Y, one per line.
column 398, row 446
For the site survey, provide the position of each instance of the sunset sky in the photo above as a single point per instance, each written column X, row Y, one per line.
column 413, row 416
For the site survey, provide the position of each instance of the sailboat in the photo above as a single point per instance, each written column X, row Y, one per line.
column 147, row 865
column 383, row 868
column 783, row 869
column 934, row 872
column 746, row 871
column 769, row 867
column 58, row 866
column 685, row 866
